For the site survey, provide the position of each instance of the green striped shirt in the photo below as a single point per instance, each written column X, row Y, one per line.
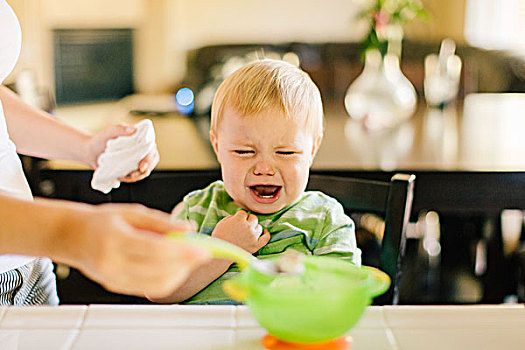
column 315, row 224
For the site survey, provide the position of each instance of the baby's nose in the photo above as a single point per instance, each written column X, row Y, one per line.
column 263, row 167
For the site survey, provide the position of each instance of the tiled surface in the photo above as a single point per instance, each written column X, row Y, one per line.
column 373, row 317
column 43, row 317
column 249, row 339
column 457, row 327
column 149, row 338
column 370, row 338
column 463, row 338
column 30, row 339
column 229, row 327
column 3, row 310
column 244, row 318
column 42, row 327
column 454, row 317
column 159, row 316
column 372, row 331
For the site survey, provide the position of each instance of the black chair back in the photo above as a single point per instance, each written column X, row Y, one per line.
column 390, row 200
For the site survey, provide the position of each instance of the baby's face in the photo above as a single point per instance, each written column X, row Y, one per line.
column 265, row 159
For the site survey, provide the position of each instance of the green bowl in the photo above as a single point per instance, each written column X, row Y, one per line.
column 319, row 305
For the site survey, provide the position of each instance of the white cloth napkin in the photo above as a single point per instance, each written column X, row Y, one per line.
column 122, row 155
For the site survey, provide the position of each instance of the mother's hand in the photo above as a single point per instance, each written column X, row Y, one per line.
column 97, row 145
column 123, row 247
column 146, row 165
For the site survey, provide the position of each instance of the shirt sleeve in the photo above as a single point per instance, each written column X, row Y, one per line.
column 338, row 235
column 185, row 213
column 197, row 204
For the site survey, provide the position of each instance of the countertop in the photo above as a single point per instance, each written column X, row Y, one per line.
column 232, row 327
column 484, row 134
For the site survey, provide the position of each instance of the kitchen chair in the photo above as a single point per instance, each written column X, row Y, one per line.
column 390, row 200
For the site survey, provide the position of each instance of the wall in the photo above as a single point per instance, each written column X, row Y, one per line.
column 446, row 19
column 39, row 17
column 165, row 29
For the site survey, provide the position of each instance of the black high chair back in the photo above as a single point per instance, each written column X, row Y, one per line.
column 392, row 201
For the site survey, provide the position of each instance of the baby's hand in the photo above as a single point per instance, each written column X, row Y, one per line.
column 242, row 230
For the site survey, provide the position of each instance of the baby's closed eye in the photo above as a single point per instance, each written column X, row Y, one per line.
column 287, row 153
column 243, row 152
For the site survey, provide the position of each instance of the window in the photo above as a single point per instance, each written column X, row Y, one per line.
column 93, row 64
column 496, row 24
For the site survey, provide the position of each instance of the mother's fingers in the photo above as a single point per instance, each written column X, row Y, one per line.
column 144, row 169
column 149, row 162
column 140, row 217
column 153, row 283
column 131, row 177
column 146, row 264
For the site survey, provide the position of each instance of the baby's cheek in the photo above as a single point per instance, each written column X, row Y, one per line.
column 301, row 171
column 295, row 186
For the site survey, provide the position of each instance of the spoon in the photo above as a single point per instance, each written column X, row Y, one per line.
column 290, row 262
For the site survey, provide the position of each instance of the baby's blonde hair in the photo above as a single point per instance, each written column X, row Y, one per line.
column 270, row 84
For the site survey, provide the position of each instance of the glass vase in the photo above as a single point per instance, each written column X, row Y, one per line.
column 381, row 96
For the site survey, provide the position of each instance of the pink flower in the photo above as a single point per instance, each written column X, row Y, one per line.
column 381, row 19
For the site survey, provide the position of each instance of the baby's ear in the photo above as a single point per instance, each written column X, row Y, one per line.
column 315, row 148
column 214, row 142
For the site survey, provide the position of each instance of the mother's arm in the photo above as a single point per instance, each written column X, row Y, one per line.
column 37, row 133
column 121, row 246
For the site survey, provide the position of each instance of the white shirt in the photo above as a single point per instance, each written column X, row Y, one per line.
column 12, row 179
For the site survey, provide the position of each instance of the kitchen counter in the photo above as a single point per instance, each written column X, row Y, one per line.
column 179, row 138
column 232, row 327
column 484, row 135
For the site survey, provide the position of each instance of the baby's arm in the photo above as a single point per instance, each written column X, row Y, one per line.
column 197, row 280
column 241, row 229
column 337, row 238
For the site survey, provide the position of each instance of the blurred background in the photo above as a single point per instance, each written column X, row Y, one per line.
column 96, row 62
column 165, row 31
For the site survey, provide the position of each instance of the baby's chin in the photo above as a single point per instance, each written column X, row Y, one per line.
column 260, row 208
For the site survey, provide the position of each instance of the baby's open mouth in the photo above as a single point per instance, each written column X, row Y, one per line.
column 266, row 191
